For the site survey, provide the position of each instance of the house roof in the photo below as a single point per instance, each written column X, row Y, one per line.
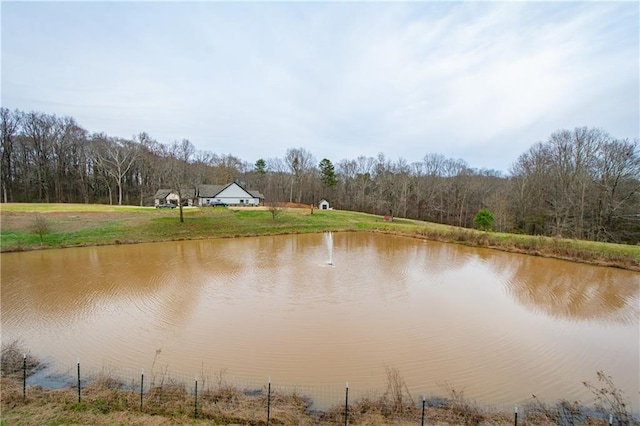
column 256, row 193
column 205, row 191
column 162, row 193
column 189, row 192
column 186, row 193
column 210, row 191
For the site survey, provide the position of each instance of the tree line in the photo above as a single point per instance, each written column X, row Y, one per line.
column 581, row 183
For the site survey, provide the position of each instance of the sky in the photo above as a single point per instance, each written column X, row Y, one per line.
column 479, row 81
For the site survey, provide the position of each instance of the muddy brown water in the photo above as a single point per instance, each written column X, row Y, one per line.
column 498, row 326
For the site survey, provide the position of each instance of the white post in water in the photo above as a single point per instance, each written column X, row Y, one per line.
column 329, row 238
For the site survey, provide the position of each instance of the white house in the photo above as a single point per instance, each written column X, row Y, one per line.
column 231, row 194
column 323, row 205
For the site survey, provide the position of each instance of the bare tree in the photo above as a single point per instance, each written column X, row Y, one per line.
column 434, row 187
column 116, row 157
column 300, row 162
column 146, row 170
column 179, row 173
column 9, row 129
column 618, row 186
column 40, row 131
column 364, row 183
column 274, row 208
column 278, row 180
column 67, row 135
column 346, row 187
column 226, row 168
column 76, row 174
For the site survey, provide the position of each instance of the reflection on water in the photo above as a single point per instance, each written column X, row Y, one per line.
column 571, row 291
column 500, row 326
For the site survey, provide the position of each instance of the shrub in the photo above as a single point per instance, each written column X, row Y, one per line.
column 483, row 220
column 40, row 225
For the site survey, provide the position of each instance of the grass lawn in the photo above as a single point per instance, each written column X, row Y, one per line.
column 68, row 225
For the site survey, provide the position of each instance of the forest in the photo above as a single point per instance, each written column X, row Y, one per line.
column 581, row 183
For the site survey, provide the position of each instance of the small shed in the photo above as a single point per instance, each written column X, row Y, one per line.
column 323, row 205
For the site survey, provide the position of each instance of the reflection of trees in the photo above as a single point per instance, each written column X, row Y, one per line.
column 63, row 286
column 569, row 290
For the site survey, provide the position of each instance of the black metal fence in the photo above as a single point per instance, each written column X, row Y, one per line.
column 209, row 394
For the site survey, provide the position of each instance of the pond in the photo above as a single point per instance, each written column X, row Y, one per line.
column 499, row 326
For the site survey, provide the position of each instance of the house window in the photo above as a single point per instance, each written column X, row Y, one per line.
column 241, row 201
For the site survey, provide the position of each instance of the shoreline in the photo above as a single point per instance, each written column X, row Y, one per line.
column 104, row 400
column 95, row 225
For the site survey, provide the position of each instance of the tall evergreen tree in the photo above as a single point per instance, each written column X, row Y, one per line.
column 327, row 173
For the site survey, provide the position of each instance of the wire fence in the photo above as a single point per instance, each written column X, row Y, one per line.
column 217, row 395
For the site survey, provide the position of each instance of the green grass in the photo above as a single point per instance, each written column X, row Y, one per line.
column 106, row 233
column 79, row 224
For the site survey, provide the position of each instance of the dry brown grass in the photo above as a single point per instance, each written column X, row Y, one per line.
column 107, row 401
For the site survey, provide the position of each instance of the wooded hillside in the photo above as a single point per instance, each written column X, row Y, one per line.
column 580, row 183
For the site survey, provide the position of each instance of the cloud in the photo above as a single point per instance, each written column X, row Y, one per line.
column 480, row 81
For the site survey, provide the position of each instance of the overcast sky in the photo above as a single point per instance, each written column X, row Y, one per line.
column 477, row 81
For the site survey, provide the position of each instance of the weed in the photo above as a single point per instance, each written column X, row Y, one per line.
column 13, row 360
column 465, row 411
column 397, row 399
column 611, row 400
column 562, row 413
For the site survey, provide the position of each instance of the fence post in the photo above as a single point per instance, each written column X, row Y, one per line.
column 346, row 406
column 515, row 412
column 423, row 402
column 141, row 387
column 79, row 394
column 24, row 376
column 269, row 401
column 195, row 404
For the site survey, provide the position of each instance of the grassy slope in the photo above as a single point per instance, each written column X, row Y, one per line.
column 79, row 224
